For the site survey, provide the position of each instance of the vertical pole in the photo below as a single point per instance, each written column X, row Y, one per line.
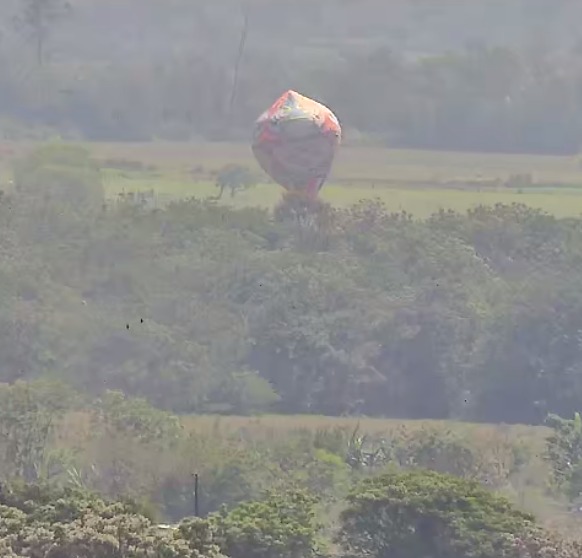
column 240, row 52
column 196, row 506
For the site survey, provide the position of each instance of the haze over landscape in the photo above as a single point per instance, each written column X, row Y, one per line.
column 392, row 369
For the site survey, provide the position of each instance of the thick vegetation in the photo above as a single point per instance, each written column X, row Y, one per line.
column 428, row 514
column 399, row 514
column 118, row 321
column 116, row 317
column 199, row 308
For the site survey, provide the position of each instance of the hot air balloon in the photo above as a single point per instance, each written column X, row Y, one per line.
column 295, row 142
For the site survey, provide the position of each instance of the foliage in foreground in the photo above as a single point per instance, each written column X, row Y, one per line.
column 395, row 515
column 281, row 526
column 564, row 453
column 39, row 521
column 419, row 513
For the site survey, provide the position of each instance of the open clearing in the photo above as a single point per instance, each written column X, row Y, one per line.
column 419, row 182
column 275, row 425
column 421, row 202
column 359, row 165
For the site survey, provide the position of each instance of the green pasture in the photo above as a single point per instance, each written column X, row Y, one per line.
column 419, row 182
column 420, row 202
column 359, row 165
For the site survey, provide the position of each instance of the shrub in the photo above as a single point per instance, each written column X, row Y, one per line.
column 424, row 513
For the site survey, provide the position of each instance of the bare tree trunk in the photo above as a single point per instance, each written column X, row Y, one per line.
column 222, row 187
column 39, row 48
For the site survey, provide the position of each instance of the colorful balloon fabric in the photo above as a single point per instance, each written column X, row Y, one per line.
column 295, row 142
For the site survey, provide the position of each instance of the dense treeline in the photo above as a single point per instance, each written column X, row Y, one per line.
column 174, row 78
column 200, row 308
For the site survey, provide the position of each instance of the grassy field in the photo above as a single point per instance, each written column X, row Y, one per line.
column 359, row 165
column 420, row 182
column 262, row 426
column 418, row 201
column 415, row 181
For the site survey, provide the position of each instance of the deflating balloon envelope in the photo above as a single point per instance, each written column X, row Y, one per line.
column 295, row 141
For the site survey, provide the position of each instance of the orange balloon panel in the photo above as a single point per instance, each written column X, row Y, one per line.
column 295, row 142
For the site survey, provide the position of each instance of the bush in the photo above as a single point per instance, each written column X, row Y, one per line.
column 61, row 174
column 281, row 526
column 422, row 513
column 564, row 453
column 36, row 521
column 30, row 413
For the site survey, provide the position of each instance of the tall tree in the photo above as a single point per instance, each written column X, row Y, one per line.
column 36, row 21
column 406, row 514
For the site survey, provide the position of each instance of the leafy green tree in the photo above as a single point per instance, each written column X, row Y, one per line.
column 201, row 535
column 127, row 446
column 244, row 393
column 64, row 174
column 30, row 414
column 422, row 513
column 234, row 178
column 135, row 418
column 37, row 20
column 36, row 521
column 564, row 454
column 282, row 525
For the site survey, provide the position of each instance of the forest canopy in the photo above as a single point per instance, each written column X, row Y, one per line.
column 200, row 308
